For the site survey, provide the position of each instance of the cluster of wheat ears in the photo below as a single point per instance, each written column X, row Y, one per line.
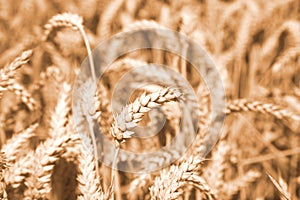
column 255, row 46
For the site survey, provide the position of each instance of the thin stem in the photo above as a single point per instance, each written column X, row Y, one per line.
column 114, row 172
column 89, row 118
column 92, row 67
column 89, row 51
column 271, row 156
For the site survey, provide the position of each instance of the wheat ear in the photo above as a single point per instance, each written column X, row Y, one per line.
column 76, row 23
column 88, row 179
column 8, row 80
column 214, row 173
column 232, row 187
column 169, row 183
column 239, row 105
column 59, row 118
column 133, row 113
column 287, row 57
column 18, row 143
column 40, row 163
column 3, row 166
column 108, row 17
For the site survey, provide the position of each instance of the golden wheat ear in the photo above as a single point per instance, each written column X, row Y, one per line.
column 75, row 22
column 8, row 80
column 133, row 113
column 3, row 166
column 88, row 178
column 239, row 105
column 169, row 183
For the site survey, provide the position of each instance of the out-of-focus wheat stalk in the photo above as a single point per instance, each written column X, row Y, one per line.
column 283, row 191
column 75, row 22
column 232, row 187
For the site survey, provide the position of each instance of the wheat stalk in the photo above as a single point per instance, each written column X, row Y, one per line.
column 76, row 23
column 283, row 191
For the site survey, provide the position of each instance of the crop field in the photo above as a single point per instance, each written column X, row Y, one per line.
column 150, row 99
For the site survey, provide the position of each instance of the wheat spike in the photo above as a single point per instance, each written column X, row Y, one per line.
column 8, row 79
column 15, row 146
column 104, row 28
column 169, row 183
column 59, row 117
column 143, row 24
column 142, row 181
column 232, row 187
column 133, row 113
column 24, row 95
column 88, row 179
column 289, row 55
column 40, row 163
column 214, row 173
column 63, row 20
column 51, row 72
column 239, row 105
column 3, row 166
column 9, row 71
column 75, row 22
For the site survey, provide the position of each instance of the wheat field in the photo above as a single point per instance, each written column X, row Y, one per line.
column 46, row 153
